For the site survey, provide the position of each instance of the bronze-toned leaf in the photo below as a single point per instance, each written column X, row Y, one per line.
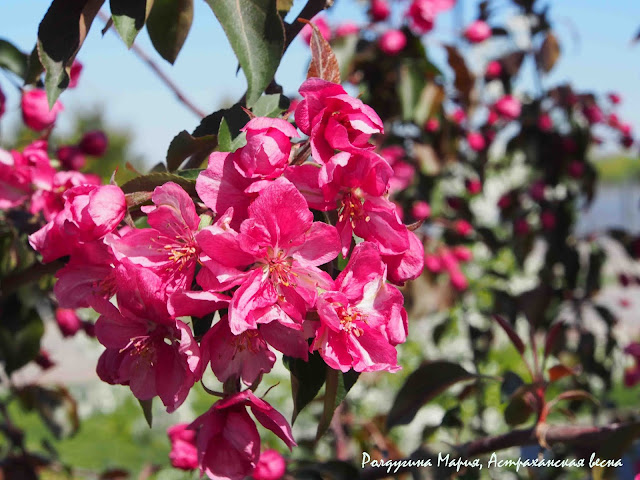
column 324, row 63
column 549, row 53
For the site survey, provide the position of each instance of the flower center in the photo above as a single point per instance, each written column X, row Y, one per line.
column 245, row 341
column 352, row 208
column 349, row 317
column 278, row 267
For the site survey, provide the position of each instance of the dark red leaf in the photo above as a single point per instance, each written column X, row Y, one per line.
column 513, row 336
column 324, row 63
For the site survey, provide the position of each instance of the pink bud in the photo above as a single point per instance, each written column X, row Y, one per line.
column 627, row 141
column 43, row 360
column 420, row 210
column 521, row 227
column 508, row 107
column 625, row 128
column 432, row 263
column 392, row 42
column 548, row 220
column 271, row 466
column 613, row 120
column 432, row 125
column 462, row 253
column 379, row 10
column 458, row 116
column 94, row 143
column 476, row 141
column 537, row 190
column 71, row 157
column 35, row 110
column 494, row 69
column 68, row 321
column 320, row 22
column 492, row 118
column 505, row 201
column 575, row 169
column 74, row 74
column 545, row 123
column 474, row 186
column 449, row 260
column 477, row 32
column 462, row 227
column 593, row 113
column 614, row 98
column 458, row 280
column 184, row 454
column 346, row 29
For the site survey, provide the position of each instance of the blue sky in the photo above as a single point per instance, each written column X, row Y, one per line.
column 595, row 37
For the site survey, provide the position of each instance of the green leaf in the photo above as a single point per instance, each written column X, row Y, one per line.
column 307, row 379
column 20, row 334
column 12, row 59
column 424, row 384
column 34, row 67
column 147, row 410
column 184, row 145
column 338, row 385
column 56, row 407
column 235, row 116
column 168, row 25
column 129, row 17
column 227, row 141
column 409, row 87
column 60, row 36
column 147, row 183
column 256, row 34
column 270, row 105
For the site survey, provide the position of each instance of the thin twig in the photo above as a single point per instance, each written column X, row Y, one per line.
column 142, row 55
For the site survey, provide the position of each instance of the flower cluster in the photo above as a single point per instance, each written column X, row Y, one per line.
column 259, row 249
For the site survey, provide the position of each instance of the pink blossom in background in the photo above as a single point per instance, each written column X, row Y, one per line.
column 94, row 143
column 476, row 141
column 593, row 113
column 458, row 116
column 462, row 227
column 494, row 69
column 319, row 21
column 422, row 13
column 614, row 98
column 521, row 227
column 403, row 172
column 227, row 440
column 432, row 125
column 271, row 466
column 71, row 157
column 15, row 180
column 35, row 109
column 74, row 74
column 545, row 123
column 379, row 10
column 183, row 454
column 420, row 210
column 392, row 42
column 508, row 107
column 474, row 186
column 334, row 120
column 477, row 32
column 346, row 29
column 68, row 321
column 363, row 319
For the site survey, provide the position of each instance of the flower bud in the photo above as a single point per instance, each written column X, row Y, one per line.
column 420, row 210
column 477, row 32
column 379, row 10
column 271, row 466
column 35, row 110
column 71, row 157
column 68, row 321
column 392, row 42
column 494, row 69
column 94, row 143
column 476, row 141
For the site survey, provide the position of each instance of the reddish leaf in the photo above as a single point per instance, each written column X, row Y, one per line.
column 324, row 63
column 464, row 78
column 513, row 336
column 549, row 52
column 560, row 371
column 552, row 335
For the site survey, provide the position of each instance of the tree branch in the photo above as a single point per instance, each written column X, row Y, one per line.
column 142, row 55
column 310, row 10
column 574, row 435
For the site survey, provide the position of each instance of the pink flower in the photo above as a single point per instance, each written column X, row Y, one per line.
column 458, row 280
column 74, row 74
column 422, row 13
column 462, row 227
column 458, row 116
column 3, row 101
column 407, row 265
column 183, row 454
column 363, row 319
column 474, row 186
column 392, row 42
column 94, row 143
column 90, row 212
column 334, row 120
column 433, row 263
column 494, row 69
column 49, row 198
column 271, row 466
column 614, row 98
column 462, row 253
column 346, row 29
column 71, row 157
column 379, row 10
column 88, row 277
column 15, row 180
column 476, row 141
column 477, row 32
column 420, row 210
column 68, row 321
column 545, row 123
column 320, row 22
column 432, row 125
column 632, row 374
column 227, row 439
column 273, row 260
column 169, row 247
column 266, row 153
column 35, row 109
column 145, row 348
column 508, row 107
column 593, row 113
column 403, row 172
